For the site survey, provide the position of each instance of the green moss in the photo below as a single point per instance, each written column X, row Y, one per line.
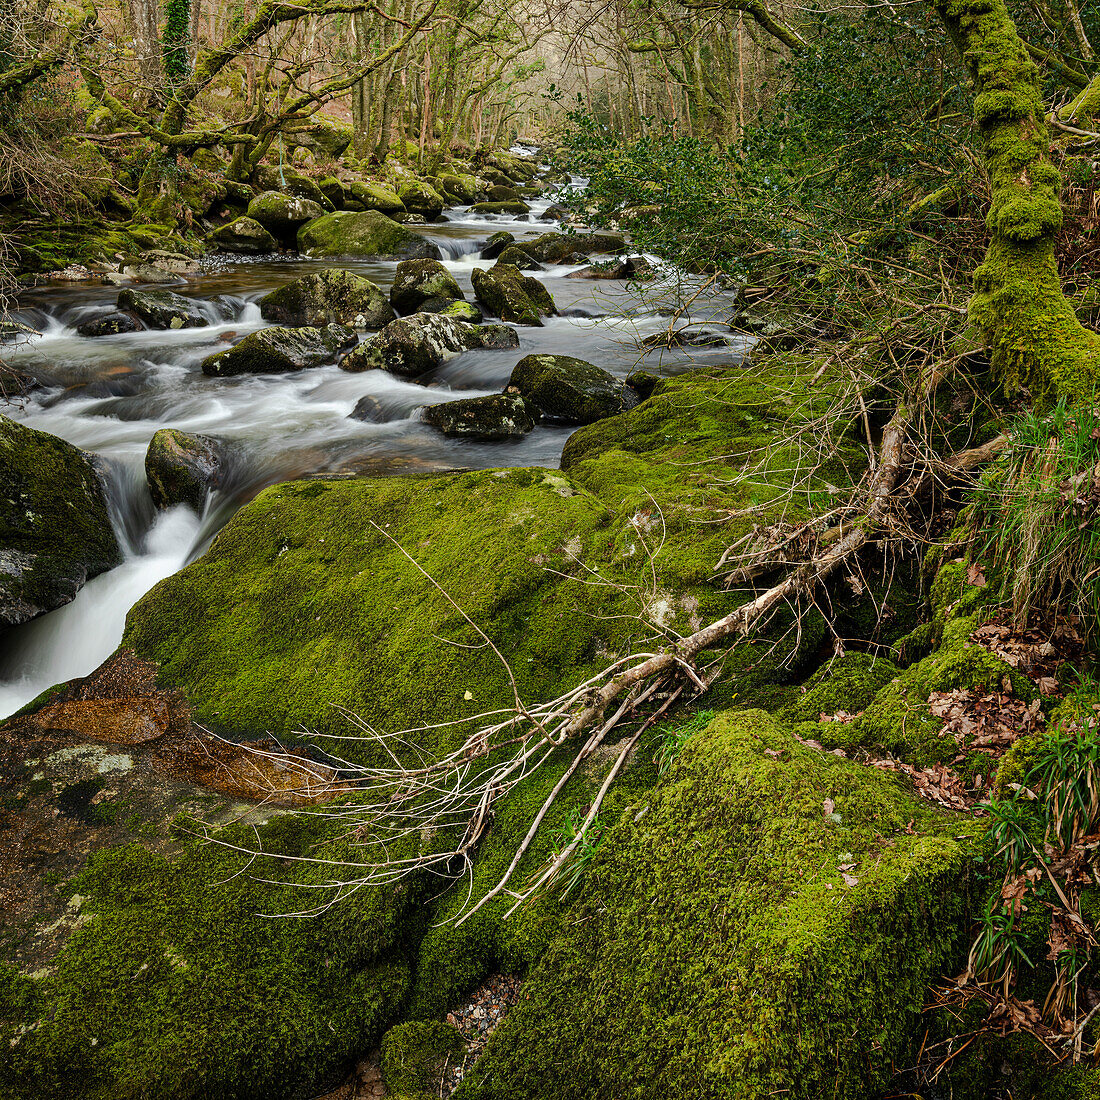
column 413, row 1053
column 849, row 683
column 178, row 982
column 717, row 951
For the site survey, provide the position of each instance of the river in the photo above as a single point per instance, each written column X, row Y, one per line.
column 108, row 395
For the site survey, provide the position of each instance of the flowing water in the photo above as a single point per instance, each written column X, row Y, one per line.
column 108, row 395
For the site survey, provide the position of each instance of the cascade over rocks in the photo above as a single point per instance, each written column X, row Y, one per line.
column 512, row 296
column 162, row 308
column 280, row 350
column 417, row 281
column 411, row 346
column 332, row 296
column 244, row 236
column 500, row 416
column 281, row 215
column 55, row 530
column 182, row 467
column 570, row 390
column 368, row 233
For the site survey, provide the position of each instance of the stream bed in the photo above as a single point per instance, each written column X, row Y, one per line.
column 108, row 395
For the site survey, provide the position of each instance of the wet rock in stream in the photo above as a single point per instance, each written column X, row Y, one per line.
column 412, row 346
column 162, row 308
column 418, row 281
column 280, row 350
column 182, row 468
column 332, row 296
column 487, row 419
column 570, row 390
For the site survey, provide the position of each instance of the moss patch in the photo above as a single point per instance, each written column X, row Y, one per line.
column 718, row 950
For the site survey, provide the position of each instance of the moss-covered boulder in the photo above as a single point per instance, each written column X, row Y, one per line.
column 139, row 960
column 500, row 193
column 333, row 189
column 417, row 281
column 368, row 234
column 765, row 924
column 460, row 311
column 554, row 248
column 332, row 296
column 303, row 601
column 280, row 350
column 570, row 390
column 162, row 308
column 496, row 244
column 376, row 196
column 288, row 181
column 243, row 236
column 181, row 467
column 515, row 256
column 421, row 199
column 413, row 1057
column 512, row 296
column 460, row 185
column 501, row 416
column 412, row 346
column 281, row 215
column 55, row 529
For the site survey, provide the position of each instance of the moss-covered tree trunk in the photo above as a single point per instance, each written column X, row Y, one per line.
column 1029, row 327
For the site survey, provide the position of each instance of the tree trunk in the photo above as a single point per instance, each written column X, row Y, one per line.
column 1030, row 329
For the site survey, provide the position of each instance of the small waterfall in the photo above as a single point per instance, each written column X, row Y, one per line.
column 76, row 638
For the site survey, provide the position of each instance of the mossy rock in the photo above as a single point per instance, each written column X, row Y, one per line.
column 55, row 529
column 376, row 196
column 302, row 602
column 417, row 281
column 333, row 189
column 91, row 170
column 281, row 215
column 289, row 181
column 281, row 350
column 179, row 980
column 367, row 234
column 717, row 948
column 512, row 296
column 496, row 244
column 570, row 390
column 499, row 416
column 332, row 296
column 512, row 209
column 848, row 683
column 553, row 248
column 243, row 236
column 182, row 467
column 421, row 199
column 413, row 1055
column 461, row 185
